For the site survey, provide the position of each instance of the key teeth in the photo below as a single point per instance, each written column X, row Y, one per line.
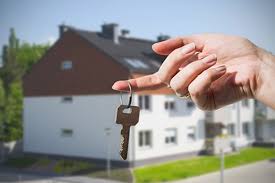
column 123, row 156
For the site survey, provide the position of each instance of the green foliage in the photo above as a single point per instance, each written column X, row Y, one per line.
column 17, row 60
column 27, row 55
column 20, row 162
column 193, row 167
column 13, row 112
column 71, row 166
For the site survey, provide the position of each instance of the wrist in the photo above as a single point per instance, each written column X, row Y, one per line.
column 266, row 78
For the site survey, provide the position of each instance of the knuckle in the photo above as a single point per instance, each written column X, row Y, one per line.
column 176, row 86
column 193, row 91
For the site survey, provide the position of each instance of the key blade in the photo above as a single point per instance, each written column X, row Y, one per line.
column 125, row 131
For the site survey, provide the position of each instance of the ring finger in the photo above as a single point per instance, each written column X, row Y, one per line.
column 179, row 83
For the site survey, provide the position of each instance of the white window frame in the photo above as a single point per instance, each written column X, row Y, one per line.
column 191, row 130
column 143, row 104
column 248, row 134
column 142, row 141
column 66, row 65
column 170, row 105
column 245, row 103
column 188, row 104
column 170, row 134
column 67, row 99
column 67, row 132
column 231, row 129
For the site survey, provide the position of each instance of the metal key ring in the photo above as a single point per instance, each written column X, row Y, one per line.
column 130, row 96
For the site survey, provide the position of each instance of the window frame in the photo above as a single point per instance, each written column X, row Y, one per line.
column 246, row 131
column 194, row 138
column 144, row 102
column 66, row 134
column 168, row 138
column 65, row 64
column 67, row 99
column 145, row 139
column 231, row 129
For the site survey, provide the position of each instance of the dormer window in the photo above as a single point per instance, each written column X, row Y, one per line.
column 67, row 65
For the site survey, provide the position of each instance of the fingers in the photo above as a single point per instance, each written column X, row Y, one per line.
column 180, row 82
column 174, row 61
column 167, row 46
column 167, row 70
column 143, row 83
column 199, row 87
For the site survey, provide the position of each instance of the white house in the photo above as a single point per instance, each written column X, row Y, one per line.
column 69, row 103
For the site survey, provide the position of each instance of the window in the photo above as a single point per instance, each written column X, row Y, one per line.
column 231, row 129
column 246, row 130
column 67, row 65
column 245, row 103
column 144, row 102
column 169, row 105
column 145, row 138
column 66, row 132
column 190, row 104
column 67, row 99
column 136, row 63
column 171, row 136
column 191, row 133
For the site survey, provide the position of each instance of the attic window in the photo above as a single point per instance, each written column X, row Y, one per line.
column 136, row 63
column 66, row 65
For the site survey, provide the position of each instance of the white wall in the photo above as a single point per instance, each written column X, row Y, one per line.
column 88, row 116
column 246, row 115
column 159, row 119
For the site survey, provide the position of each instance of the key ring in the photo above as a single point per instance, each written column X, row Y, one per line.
column 130, row 96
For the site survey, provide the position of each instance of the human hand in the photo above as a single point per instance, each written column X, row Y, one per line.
column 215, row 69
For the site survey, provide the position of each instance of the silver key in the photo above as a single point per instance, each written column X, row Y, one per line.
column 127, row 117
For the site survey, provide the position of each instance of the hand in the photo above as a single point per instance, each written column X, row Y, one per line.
column 215, row 69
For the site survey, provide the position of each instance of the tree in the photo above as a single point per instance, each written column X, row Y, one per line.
column 13, row 113
column 2, row 107
column 17, row 60
column 11, row 70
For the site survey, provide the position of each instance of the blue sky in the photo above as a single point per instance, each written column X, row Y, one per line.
column 37, row 21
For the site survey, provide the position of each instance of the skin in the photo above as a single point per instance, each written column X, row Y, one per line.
column 215, row 69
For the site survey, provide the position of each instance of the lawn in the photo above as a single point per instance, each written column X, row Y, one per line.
column 197, row 166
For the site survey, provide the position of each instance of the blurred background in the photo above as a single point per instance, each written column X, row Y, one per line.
column 58, row 62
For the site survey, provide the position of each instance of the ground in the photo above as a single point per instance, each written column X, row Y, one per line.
column 263, row 172
column 44, row 168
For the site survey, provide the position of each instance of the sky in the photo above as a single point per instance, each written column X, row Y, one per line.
column 37, row 21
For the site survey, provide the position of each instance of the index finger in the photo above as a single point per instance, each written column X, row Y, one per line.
column 167, row 46
column 151, row 81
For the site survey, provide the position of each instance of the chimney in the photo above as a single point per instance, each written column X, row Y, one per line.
column 125, row 32
column 162, row 37
column 111, row 31
column 62, row 28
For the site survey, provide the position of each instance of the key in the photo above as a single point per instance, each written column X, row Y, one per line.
column 127, row 117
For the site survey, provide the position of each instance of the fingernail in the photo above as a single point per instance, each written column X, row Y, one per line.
column 188, row 48
column 210, row 59
column 220, row 69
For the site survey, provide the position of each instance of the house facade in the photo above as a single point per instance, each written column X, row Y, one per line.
column 69, row 104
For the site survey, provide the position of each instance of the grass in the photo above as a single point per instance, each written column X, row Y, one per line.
column 43, row 162
column 71, row 166
column 21, row 162
column 197, row 166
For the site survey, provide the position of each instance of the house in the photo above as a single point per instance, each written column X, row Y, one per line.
column 69, row 104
